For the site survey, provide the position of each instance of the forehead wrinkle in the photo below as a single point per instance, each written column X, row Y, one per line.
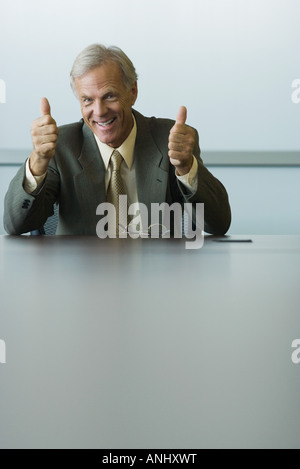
column 101, row 80
column 99, row 90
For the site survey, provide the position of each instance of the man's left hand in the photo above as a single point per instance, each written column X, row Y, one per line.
column 181, row 143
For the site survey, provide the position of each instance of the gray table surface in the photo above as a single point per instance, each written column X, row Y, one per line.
column 144, row 344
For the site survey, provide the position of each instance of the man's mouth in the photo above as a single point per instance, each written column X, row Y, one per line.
column 107, row 123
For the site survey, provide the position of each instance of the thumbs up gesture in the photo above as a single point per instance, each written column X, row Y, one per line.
column 181, row 143
column 44, row 134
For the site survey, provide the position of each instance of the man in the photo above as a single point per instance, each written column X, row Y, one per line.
column 71, row 166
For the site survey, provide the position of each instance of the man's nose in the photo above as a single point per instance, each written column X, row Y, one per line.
column 100, row 108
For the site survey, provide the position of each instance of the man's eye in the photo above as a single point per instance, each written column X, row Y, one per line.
column 87, row 100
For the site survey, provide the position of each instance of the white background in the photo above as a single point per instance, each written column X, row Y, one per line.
column 231, row 62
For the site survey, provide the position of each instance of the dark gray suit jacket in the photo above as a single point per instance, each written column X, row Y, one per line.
column 76, row 181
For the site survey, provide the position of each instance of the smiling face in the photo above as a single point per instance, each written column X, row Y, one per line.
column 106, row 103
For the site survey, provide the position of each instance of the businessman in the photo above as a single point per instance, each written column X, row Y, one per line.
column 159, row 159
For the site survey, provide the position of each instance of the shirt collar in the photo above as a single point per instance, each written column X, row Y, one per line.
column 126, row 149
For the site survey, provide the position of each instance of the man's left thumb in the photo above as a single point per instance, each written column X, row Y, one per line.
column 181, row 115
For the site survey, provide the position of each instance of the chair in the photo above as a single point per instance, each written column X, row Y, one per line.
column 49, row 227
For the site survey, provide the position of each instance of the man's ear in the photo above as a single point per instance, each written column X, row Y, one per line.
column 134, row 93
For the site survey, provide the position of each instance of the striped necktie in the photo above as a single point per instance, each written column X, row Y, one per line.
column 115, row 189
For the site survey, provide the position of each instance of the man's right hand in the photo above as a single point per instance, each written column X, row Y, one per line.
column 44, row 133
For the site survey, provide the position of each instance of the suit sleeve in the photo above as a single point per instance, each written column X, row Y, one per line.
column 25, row 212
column 211, row 192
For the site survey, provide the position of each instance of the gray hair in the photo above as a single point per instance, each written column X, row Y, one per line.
column 97, row 54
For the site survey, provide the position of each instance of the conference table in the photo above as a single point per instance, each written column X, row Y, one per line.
column 142, row 343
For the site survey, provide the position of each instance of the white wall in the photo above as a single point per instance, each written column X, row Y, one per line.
column 264, row 200
column 231, row 62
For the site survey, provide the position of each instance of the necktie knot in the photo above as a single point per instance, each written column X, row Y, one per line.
column 116, row 160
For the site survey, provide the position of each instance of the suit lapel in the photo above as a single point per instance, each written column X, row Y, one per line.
column 150, row 165
column 90, row 181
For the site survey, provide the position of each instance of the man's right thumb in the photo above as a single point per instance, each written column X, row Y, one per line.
column 45, row 107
